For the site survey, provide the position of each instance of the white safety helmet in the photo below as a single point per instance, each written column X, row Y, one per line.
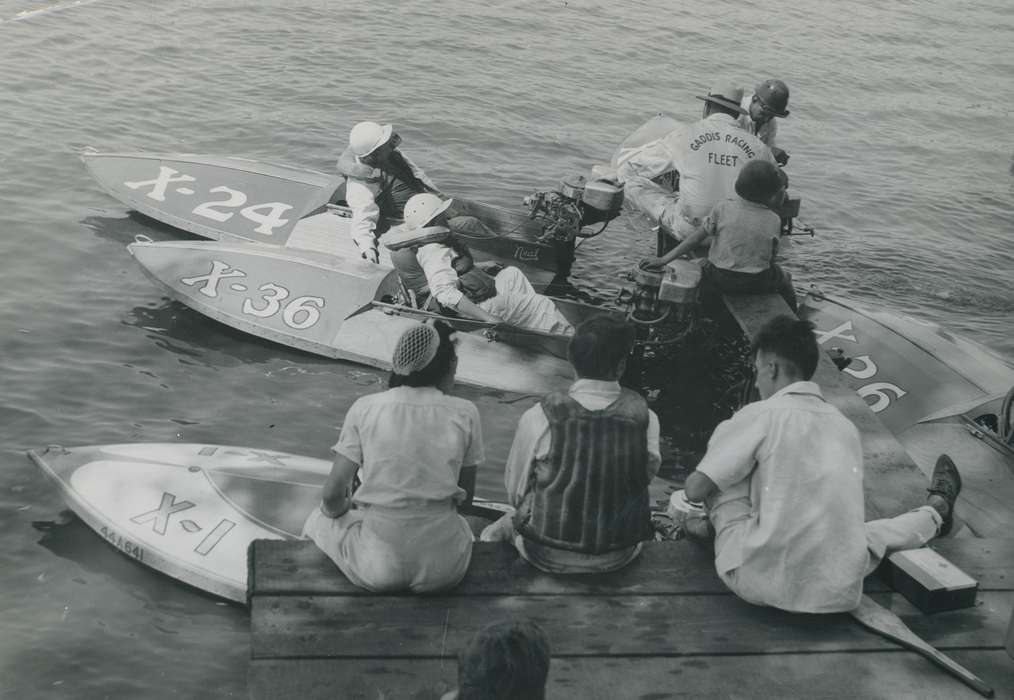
column 421, row 209
column 366, row 137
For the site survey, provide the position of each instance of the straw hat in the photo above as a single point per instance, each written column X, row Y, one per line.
column 725, row 94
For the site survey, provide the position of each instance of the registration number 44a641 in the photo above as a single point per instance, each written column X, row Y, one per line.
column 267, row 300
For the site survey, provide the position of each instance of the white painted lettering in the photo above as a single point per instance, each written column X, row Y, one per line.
column 209, row 210
column 839, row 332
column 879, row 389
column 160, row 183
column 868, row 370
column 160, row 516
column 219, row 271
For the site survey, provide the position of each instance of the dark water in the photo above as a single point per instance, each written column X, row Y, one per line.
column 902, row 151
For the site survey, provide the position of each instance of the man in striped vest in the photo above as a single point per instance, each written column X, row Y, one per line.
column 580, row 464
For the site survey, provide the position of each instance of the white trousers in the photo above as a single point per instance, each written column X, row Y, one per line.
column 518, row 304
column 660, row 205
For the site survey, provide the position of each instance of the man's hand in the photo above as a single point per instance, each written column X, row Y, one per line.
column 490, row 267
column 781, row 157
column 652, row 262
column 699, row 487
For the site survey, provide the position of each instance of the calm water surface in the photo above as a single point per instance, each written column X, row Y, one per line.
column 901, row 149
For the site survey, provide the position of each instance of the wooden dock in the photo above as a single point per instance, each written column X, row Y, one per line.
column 665, row 627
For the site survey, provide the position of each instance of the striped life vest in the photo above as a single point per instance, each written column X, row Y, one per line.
column 590, row 494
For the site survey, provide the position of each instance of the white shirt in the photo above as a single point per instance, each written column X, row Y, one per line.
column 744, row 235
column 411, row 444
column 532, row 438
column 791, row 470
column 708, row 155
column 360, row 195
column 365, row 213
column 436, row 260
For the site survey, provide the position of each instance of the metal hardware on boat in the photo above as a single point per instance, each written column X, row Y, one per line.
column 815, row 292
column 142, row 238
column 489, row 334
column 975, row 432
column 55, row 448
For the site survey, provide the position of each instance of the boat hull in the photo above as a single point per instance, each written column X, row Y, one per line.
column 334, row 307
column 190, row 511
column 235, row 198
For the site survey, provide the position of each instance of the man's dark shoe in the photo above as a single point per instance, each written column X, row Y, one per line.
column 946, row 483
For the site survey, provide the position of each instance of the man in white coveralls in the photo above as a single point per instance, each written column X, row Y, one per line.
column 708, row 155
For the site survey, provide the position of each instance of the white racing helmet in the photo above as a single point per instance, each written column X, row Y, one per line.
column 421, row 209
column 366, row 137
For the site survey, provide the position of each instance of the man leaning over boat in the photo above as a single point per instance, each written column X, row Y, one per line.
column 432, row 263
column 379, row 180
column 783, row 484
column 768, row 100
column 708, row 156
column 580, row 464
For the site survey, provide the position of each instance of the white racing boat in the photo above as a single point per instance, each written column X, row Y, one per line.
column 344, row 308
column 190, row 511
column 937, row 393
column 278, row 205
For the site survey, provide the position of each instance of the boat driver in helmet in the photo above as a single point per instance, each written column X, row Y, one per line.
column 767, row 101
column 431, row 262
column 379, row 180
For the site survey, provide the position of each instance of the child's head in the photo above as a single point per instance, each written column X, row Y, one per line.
column 762, row 182
column 504, row 661
column 599, row 347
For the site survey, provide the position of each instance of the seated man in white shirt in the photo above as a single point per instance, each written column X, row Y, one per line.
column 580, row 464
column 431, row 262
column 783, row 483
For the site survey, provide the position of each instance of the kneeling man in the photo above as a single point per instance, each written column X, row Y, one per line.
column 580, row 464
column 783, row 482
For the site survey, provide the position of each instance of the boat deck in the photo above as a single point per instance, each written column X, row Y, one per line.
column 664, row 627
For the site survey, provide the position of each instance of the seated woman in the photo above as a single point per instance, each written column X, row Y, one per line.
column 744, row 232
column 431, row 262
column 417, row 449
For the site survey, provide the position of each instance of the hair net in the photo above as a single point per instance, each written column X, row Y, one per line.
column 415, row 349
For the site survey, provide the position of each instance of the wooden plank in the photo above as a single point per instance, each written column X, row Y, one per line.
column 298, row 567
column 281, row 567
column 892, row 481
column 893, row 675
column 404, row 626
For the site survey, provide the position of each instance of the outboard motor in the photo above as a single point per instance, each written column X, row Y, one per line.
column 663, row 300
column 573, row 205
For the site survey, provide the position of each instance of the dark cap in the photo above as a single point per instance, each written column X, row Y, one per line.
column 759, row 181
